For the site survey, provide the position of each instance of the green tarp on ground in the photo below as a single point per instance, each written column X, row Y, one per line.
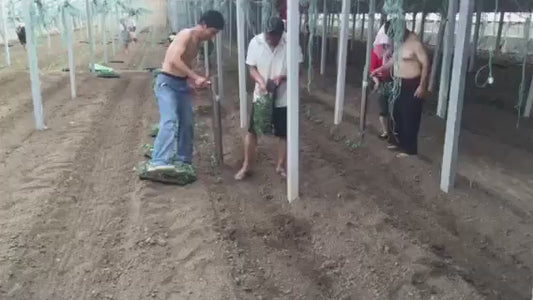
column 183, row 174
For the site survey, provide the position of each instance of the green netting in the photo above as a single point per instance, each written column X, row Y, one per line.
column 262, row 115
column 148, row 150
column 394, row 8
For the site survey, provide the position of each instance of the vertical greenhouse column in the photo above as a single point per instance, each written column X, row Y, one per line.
column 341, row 69
column 413, row 25
column 449, row 37
column 473, row 51
column 363, row 27
column 104, row 36
column 72, row 65
column 6, row 39
column 90, row 33
column 117, row 21
column 525, row 50
column 529, row 103
column 68, row 26
column 324, row 39
column 230, row 27
column 457, row 90
column 423, row 26
column 293, row 89
column 241, row 61
column 33, row 66
column 500, row 31
column 366, row 69
column 352, row 40
column 436, row 54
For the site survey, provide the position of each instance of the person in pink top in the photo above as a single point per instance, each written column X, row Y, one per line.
column 382, row 52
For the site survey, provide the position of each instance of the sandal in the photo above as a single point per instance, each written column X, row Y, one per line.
column 281, row 172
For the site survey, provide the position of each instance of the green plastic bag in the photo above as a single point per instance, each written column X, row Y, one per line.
column 262, row 115
column 148, row 150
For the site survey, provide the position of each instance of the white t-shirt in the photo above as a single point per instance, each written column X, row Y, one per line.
column 270, row 64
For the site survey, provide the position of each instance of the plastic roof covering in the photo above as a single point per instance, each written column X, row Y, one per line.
column 48, row 12
column 432, row 5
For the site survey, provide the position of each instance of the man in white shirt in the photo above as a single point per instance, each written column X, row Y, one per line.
column 267, row 61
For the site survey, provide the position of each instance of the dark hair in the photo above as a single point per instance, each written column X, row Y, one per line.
column 274, row 25
column 212, row 19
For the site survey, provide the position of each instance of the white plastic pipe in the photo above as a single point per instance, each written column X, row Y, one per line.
column 341, row 69
column 6, row 39
column 293, row 91
column 241, row 61
column 33, row 66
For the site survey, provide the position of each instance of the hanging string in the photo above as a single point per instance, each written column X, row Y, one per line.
column 396, row 30
column 490, row 78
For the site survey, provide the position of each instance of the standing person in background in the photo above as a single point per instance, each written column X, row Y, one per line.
column 173, row 148
column 267, row 61
column 125, row 37
column 132, row 28
column 21, row 35
column 413, row 70
column 382, row 82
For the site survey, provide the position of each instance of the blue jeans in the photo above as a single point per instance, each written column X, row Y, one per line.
column 175, row 139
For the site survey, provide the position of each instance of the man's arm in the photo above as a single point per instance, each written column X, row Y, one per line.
column 254, row 73
column 182, row 40
column 422, row 57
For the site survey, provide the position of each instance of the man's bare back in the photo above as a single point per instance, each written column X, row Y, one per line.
column 181, row 54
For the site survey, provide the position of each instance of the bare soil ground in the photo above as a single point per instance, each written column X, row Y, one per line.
column 78, row 224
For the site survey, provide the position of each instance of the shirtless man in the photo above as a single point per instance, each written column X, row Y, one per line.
column 413, row 70
column 173, row 145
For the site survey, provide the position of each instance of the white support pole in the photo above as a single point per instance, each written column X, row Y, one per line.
column 220, row 67
column 529, row 103
column 453, row 122
column 363, row 27
column 71, row 64
column 473, row 52
column 33, row 66
column 352, row 34
column 104, row 36
column 323, row 48
column 449, row 37
column 366, row 69
column 436, row 55
column 341, row 69
column 90, row 33
column 422, row 26
column 293, row 92
column 525, row 50
column 230, row 27
column 500, row 31
column 241, row 61
column 6, row 39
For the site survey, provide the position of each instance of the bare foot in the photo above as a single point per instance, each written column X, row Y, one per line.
column 281, row 172
column 402, row 155
column 241, row 174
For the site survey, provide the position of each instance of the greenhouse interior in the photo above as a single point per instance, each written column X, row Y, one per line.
column 380, row 186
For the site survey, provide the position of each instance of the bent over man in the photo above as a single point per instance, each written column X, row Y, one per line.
column 173, row 146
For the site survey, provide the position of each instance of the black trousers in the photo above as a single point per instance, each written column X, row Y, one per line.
column 407, row 114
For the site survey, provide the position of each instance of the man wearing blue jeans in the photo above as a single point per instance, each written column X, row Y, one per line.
column 173, row 148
